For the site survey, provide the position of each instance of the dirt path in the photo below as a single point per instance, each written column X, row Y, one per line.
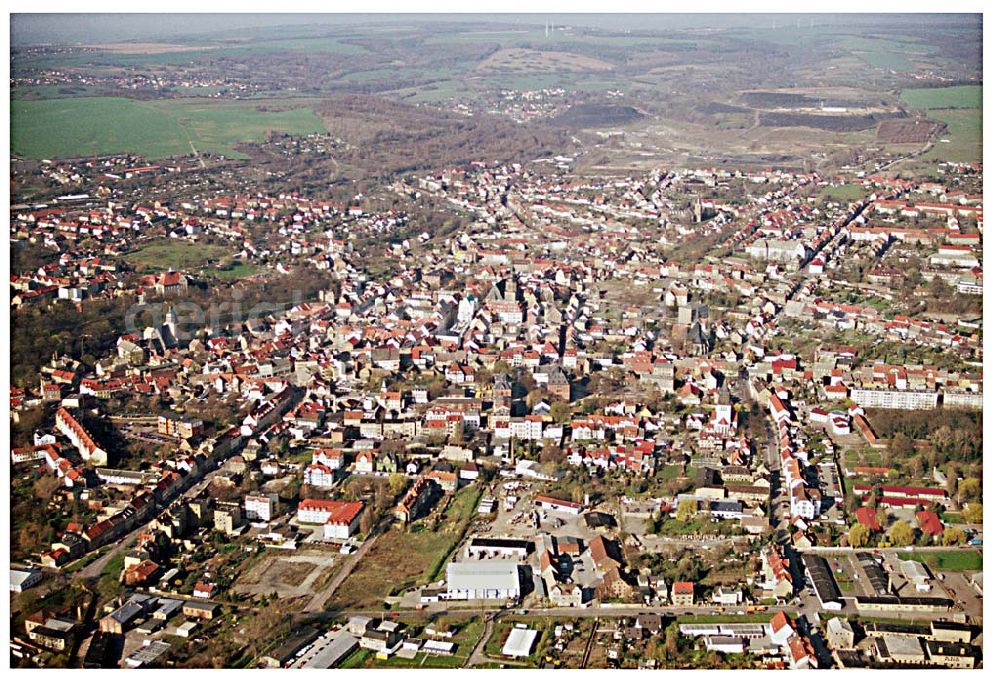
column 478, row 657
column 193, row 149
column 590, row 645
column 320, row 598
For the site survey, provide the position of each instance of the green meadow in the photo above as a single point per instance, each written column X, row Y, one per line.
column 964, row 137
column 961, row 109
column 179, row 255
column 63, row 128
column 962, row 96
column 958, row 560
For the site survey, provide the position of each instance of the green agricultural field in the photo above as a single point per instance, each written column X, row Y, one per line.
column 893, row 61
column 112, row 58
column 964, row 96
column 894, row 55
column 535, row 37
column 534, row 81
column 958, row 560
column 176, row 255
column 62, row 128
column 372, row 74
column 324, row 45
column 964, row 135
column 903, row 44
column 961, row 109
column 436, row 92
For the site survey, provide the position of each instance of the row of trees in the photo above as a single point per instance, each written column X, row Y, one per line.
column 953, row 435
column 902, row 534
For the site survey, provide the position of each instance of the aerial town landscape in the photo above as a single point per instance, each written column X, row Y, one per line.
column 496, row 341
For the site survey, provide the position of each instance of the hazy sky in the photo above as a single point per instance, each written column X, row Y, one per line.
column 38, row 29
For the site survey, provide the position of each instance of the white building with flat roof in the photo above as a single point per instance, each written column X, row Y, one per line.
column 917, row 574
column 896, row 399
column 24, row 578
column 519, row 642
column 963, row 399
column 484, row 580
column 260, row 507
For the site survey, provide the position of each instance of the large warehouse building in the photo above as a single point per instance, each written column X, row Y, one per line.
column 484, row 580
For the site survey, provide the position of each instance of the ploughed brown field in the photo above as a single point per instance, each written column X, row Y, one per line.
column 908, row 131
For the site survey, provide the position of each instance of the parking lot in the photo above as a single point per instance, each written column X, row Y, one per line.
column 146, row 432
column 522, row 519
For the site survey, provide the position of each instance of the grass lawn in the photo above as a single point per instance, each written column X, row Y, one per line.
column 845, row 193
column 176, row 255
column 670, row 472
column 85, row 126
column 705, row 619
column 958, row 560
column 845, row 583
column 457, row 517
column 114, row 566
column 696, row 526
column 405, row 558
column 239, row 270
column 356, row 660
column 108, row 583
column 963, row 96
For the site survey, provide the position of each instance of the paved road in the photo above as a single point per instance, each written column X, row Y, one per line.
column 93, row 569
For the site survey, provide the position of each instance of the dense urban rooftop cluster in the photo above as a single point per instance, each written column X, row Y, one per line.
column 564, row 343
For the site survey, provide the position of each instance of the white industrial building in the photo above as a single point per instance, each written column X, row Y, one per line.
column 497, row 547
column 722, row 644
column 520, row 642
column 917, row 574
column 483, row 580
column 24, row 578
